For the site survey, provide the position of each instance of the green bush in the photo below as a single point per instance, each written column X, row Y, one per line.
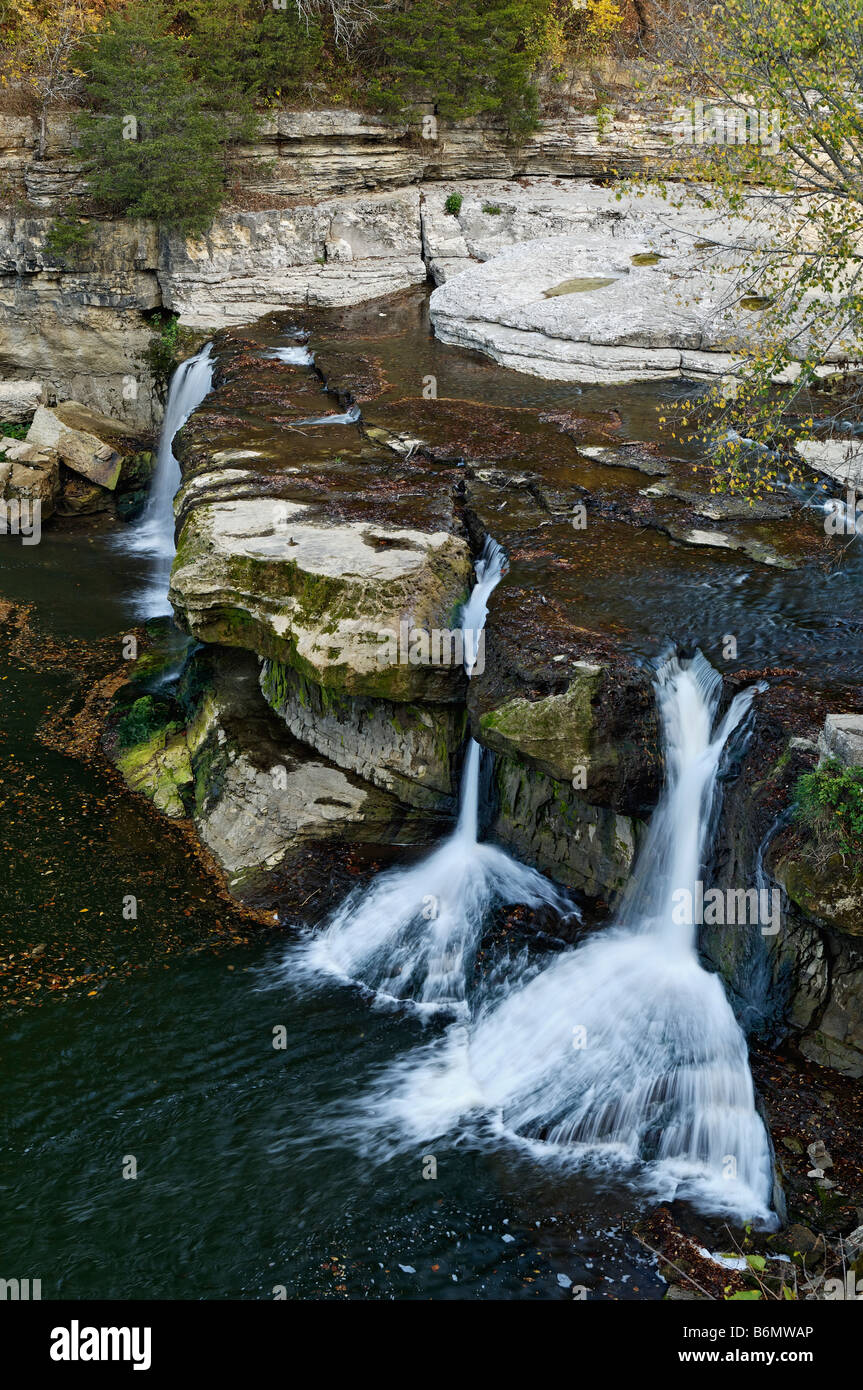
column 67, row 239
column 493, row 209
column 142, row 720
column 11, row 431
column 162, row 351
column 830, row 801
column 453, row 204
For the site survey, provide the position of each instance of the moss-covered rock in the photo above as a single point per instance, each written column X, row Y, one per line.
column 557, row 733
column 551, row 825
column 338, row 602
column 828, row 888
column 159, row 767
column 413, row 750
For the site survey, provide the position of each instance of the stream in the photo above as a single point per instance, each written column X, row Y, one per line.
column 262, row 1167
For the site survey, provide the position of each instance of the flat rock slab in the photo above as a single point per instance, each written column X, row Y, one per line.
column 325, row 598
column 636, row 289
column 841, row 459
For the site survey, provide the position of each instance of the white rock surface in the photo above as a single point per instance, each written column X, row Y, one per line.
column 325, row 594
column 19, row 399
column 841, row 459
column 842, row 738
column 677, row 316
column 339, row 252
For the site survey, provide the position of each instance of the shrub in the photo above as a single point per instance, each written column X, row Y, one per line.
column 830, row 801
column 453, row 204
column 141, row 721
column 493, row 209
column 162, row 351
column 67, row 239
column 11, row 431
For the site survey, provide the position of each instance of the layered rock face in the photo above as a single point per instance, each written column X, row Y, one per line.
column 321, row 154
column 343, row 223
column 339, row 251
column 77, row 327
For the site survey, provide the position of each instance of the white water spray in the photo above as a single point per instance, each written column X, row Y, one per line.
column 154, row 534
column 623, row 1054
column 413, row 934
column 344, row 417
column 294, row 356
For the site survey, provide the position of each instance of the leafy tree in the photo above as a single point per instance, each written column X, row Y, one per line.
column 156, row 149
column 782, row 84
column 468, row 56
column 40, row 41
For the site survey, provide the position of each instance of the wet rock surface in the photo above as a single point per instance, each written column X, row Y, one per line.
column 615, row 548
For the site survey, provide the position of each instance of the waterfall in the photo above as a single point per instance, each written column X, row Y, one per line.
column 413, row 934
column 622, row 1054
column 154, row 533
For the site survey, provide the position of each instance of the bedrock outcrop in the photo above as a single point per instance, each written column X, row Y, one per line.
column 607, row 289
column 799, row 974
column 217, row 753
column 308, row 547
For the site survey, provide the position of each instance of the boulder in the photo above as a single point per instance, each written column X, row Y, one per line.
column 259, row 795
column 19, row 400
column 331, row 599
column 555, row 734
column 27, row 474
column 77, row 435
column 842, row 738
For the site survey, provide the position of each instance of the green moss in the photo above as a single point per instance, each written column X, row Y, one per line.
column 146, row 717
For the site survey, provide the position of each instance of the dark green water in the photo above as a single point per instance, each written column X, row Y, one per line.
column 163, row 1051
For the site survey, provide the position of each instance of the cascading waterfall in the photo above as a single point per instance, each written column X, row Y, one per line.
column 154, row 534
column 413, row 935
column 623, row 1054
